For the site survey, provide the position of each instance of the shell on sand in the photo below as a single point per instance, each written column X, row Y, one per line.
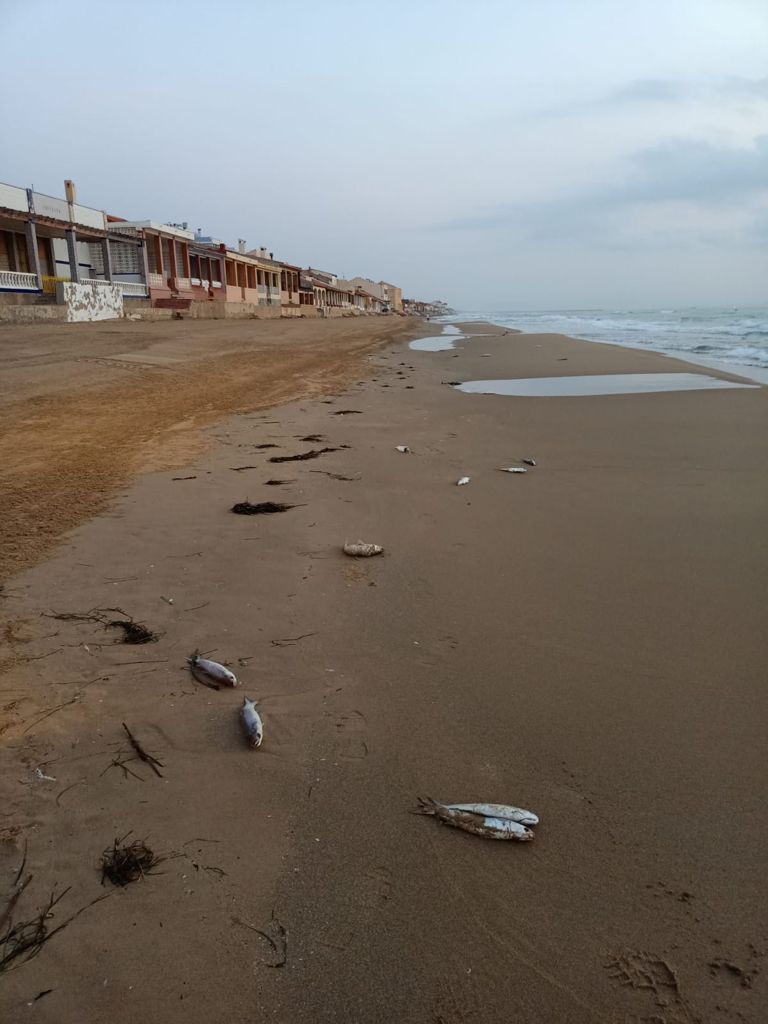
column 362, row 549
column 489, row 826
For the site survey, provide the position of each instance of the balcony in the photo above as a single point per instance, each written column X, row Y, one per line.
column 11, row 280
column 131, row 289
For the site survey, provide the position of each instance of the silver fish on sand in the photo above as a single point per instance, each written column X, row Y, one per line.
column 403, row 448
column 215, row 672
column 462, row 481
column 361, row 549
column 512, row 469
column 252, row 723
column 529, row 462
column 492, row 821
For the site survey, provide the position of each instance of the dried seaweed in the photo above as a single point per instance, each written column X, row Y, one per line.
column 313, row 438
column 23, row 941
column 277, row 483
column 348, row 412
column 133, row 632
column 314, row 453
column 262, row 446
column 245, row 508
column 123, row 863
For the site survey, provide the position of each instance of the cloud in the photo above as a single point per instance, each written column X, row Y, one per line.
column 676, row 172
column 666, row 92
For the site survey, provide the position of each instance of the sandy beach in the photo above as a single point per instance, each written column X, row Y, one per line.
column 586, row 640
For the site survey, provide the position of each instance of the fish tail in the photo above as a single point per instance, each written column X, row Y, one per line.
column 426, row 805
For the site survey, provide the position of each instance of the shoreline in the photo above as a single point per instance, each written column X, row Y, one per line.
column 584, row 640
column 758, row 374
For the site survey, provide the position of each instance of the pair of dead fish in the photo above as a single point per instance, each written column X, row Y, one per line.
column 518, row 469
column 220, row 675
column 492, row 821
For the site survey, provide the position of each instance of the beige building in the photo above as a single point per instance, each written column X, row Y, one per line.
column 390, row 295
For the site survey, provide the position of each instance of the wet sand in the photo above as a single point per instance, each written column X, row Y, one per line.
column 585, row 640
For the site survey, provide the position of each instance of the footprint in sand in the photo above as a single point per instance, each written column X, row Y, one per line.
column 349, row 728
column 655, row 983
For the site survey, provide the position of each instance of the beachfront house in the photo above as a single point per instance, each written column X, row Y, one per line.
column 280, row 281
column 46, row 241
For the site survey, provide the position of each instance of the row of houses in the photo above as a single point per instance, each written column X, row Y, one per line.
column 97, row 265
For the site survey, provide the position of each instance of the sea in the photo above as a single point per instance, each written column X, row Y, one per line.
column 719, row 337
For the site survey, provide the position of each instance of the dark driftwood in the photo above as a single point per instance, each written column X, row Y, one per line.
column 141, row 753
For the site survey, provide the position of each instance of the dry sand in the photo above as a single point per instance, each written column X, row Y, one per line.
column 586, row 640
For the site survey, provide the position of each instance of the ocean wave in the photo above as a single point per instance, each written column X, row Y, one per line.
column 738, row 335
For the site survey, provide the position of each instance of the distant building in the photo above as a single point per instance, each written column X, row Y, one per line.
column 390, row 295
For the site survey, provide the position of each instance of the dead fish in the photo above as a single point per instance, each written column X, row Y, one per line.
column 478, row 822
column 252, row 724
column 218, row 673
column 462, row 481
column 403, row 448
column 529, row 462
column 498, row 811
column 362, row 549
column 512, row 469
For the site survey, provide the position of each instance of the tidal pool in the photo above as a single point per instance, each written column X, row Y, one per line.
column 603, row 384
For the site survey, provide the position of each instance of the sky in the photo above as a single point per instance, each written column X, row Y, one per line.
column 498, row 154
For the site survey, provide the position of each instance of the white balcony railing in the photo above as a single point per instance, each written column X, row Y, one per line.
column 11, row 279
column 135, row 288
column 156, row 280
column 126, row 287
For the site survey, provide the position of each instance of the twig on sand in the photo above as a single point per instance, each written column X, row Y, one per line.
column 53, row 711
column 290, row 641
column 278, row 944
column 153, row 763
column 23, row 864
column 183, row 478
column 118, row 762
column 66, row 790
column 335, row 476
column 151, row 661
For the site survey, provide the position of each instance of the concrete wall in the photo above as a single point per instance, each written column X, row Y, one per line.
column 84, row 302
column 30, row 314
column 142, row 310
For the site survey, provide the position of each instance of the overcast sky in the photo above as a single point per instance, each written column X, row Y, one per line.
column 500, row 154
